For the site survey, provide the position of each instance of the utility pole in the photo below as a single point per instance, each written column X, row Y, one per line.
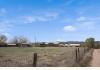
column 35, row 40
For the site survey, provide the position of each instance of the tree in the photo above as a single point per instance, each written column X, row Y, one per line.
column 90, row 42
column 51, row 44
column 14, row 40
column 20, row 40
column 42, row 44
column 3, row 39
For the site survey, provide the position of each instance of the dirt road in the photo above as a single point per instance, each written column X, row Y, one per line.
column 95, row 62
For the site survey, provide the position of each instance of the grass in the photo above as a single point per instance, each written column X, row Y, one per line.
column 87, row 58
column 47, row 56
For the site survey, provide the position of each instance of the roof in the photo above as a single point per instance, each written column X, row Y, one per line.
column 74, row 44
column 70, row 44
column 11, row 44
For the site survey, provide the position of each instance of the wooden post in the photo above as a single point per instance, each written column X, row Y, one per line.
column 34, row 59
column 76, row 53
column 87, row 49
column 84, row 51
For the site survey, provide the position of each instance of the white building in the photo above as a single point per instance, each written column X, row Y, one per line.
column 69, row 45
column 74, row 45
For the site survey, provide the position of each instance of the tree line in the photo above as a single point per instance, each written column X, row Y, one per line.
column 20, row 39
column 89, row 42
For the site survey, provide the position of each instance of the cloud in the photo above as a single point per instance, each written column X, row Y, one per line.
column 82, row 18
column 43, row 19
column 5, row 26
column 86, row 23
column 28, row 19
column 52, row 14
column 69, row 28
column 32, row 19
column 3, row 10
column 39, row 18
column 68, row 2
column 82, row 23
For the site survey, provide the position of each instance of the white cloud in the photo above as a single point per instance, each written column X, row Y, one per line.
column 5, row 26
column 43, row 19
column 86, row 19
column 69, row 28
column 28, row 19
column 2, row 10
column 52, row 14
column 82, row 18
column 87, row 25
column 68, row 2
column 39, row 18
column 83, row 23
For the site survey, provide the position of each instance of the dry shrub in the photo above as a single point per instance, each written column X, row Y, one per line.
column 87, row 58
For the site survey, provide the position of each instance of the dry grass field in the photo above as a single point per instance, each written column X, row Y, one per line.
column 47, row 56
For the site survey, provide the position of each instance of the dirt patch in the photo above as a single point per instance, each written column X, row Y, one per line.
column 95, row 62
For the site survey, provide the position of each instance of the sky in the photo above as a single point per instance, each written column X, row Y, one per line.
column 50, row 20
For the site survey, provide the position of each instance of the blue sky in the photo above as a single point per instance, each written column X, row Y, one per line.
column 50, row 20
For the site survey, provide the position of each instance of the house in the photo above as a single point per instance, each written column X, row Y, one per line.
column 62, row 45
column 24, row 45
column 74, row 45
column 11, row 45
column 69, row 45
column 3, row 44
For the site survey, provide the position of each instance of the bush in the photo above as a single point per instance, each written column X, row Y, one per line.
column 43, row 44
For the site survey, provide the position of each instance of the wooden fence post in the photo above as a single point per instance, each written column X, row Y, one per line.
column 84, row 51
column 34, row 59
column 76, row 53
column 87, row 49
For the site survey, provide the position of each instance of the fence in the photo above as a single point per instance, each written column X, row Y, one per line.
column 42, row 60
column 19, row 60
column 79, row 54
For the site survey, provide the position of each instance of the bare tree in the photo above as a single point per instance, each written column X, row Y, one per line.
column 20, row 40
column 14, row 40
column 3, row 39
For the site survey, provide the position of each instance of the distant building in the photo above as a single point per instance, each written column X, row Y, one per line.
column 11, row 45
column 74, row 45
column 3, row 44
column 69, row 45
column 24, row 45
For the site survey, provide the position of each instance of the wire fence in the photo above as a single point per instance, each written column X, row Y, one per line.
column 44, row 60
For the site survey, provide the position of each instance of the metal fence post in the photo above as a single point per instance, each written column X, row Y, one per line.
column 34, row 59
